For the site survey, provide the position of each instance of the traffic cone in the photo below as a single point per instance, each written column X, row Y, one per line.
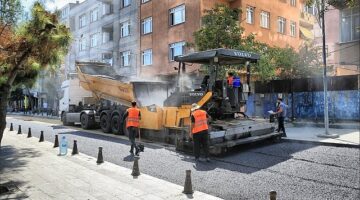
column 188, row 186
column 75, row 149
column 272, row 195
column 56, row 143
column 136, row 170
column 19, row 130
column 100, row 158
column 29, row 133
column 41, row 137
column 11, row 127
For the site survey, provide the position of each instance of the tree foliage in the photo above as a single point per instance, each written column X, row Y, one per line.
column 27, row 49
column 10, row 11
column 221, row 29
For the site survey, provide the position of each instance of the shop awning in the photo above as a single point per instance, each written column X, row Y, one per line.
column 306, row 33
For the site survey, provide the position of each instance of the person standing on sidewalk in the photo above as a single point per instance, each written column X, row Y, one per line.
column 133, row 116
column 281, row 114
column 199, row 131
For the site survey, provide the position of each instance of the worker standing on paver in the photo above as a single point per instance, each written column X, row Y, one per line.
column 199, row 131
column 132, row 125
column 281, row 114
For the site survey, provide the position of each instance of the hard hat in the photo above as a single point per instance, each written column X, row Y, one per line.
column 194, row 107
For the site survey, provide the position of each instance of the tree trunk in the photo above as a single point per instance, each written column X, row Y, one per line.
column 5, row 92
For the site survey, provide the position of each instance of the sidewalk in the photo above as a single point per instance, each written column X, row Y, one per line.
column 347, row 137
column 37, row 115
column 34, row 171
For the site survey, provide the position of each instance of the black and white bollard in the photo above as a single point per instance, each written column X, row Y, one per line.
column 11, row 127
column 29, row 133
column 19, row 130
column 272, row 195
column 56, row 143
column 41, row 139
column 75, row 149
column 100, row 158
column 188, row 185
column 136, row 171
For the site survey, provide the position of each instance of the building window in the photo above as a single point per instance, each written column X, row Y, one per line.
column 83, row 44
column 125, row 29
column 265, row 19
column 144, row 1
column 250, row 15
column 64, row 12
column 107, row 58
column 293, row 3
column 125, row 3
column 147, row 25
column 350, row 23
column 293, row 28
column 107, row 37
column 94, row 40
column 125, row 58
column 147, row 57
column 94, row 15
column 177, row 15
column 281, row 25
column 176, row 49
column 310, row 9
column 82, row 20
column 107, row 9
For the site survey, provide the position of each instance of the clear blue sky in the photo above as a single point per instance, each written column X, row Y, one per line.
column 50, row 4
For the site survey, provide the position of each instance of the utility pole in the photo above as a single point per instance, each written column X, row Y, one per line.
column 325, row 82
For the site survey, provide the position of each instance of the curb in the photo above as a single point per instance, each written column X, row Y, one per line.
column 319, row 125
column 321, row 143
column 35, row 116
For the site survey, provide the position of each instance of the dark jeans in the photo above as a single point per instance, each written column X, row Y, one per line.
column 281, row 124
column 132, row 134
column 201, row 139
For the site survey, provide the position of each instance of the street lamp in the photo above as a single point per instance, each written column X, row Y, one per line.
column 326, row 104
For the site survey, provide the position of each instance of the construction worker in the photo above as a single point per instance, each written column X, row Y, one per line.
column 199, row 131
column 230, row 79
column 281, row 114
column 133, row 116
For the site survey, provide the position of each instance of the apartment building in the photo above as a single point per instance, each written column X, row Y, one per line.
column 342, row 40
column 167, row 25
column 103, row 30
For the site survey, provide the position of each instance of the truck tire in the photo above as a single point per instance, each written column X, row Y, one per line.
column 116, row 125
column 105, row 124
column 84, row 119
column 64, row 121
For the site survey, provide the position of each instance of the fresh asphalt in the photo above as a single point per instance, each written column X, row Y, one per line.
column 294, row 170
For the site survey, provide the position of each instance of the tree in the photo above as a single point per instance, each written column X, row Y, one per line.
column 220, row 29
column 26, row 50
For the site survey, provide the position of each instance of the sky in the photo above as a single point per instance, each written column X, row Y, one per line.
column 50, row 4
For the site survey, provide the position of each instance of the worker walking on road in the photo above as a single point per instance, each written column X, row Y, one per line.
column 281, row 114
column 199, row 131
column 132, row 125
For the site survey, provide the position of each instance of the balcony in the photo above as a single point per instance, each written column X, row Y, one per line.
column 106, row 1
column 307, row 20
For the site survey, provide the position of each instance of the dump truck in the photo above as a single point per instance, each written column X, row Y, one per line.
column 168, row 120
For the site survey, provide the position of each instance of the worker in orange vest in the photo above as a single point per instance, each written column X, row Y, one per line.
column 133, row 116
column 230, row 79
column 199, row 131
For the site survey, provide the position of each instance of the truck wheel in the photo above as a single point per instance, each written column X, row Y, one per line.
column 115, row 125
column 105, row 124
column 84, row 119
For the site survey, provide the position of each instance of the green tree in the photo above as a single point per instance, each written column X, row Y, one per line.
column 220, row 29
column 26, row 50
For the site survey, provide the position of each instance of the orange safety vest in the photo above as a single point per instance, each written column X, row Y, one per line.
column 133, row 117
column 200, row 121
column 230, row 80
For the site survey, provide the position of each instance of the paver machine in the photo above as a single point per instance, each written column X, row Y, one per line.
column 216, row 97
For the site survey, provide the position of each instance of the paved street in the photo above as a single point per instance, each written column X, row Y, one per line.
column 294, row 170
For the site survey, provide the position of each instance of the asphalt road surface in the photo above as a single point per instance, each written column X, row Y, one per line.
column 294, row 170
